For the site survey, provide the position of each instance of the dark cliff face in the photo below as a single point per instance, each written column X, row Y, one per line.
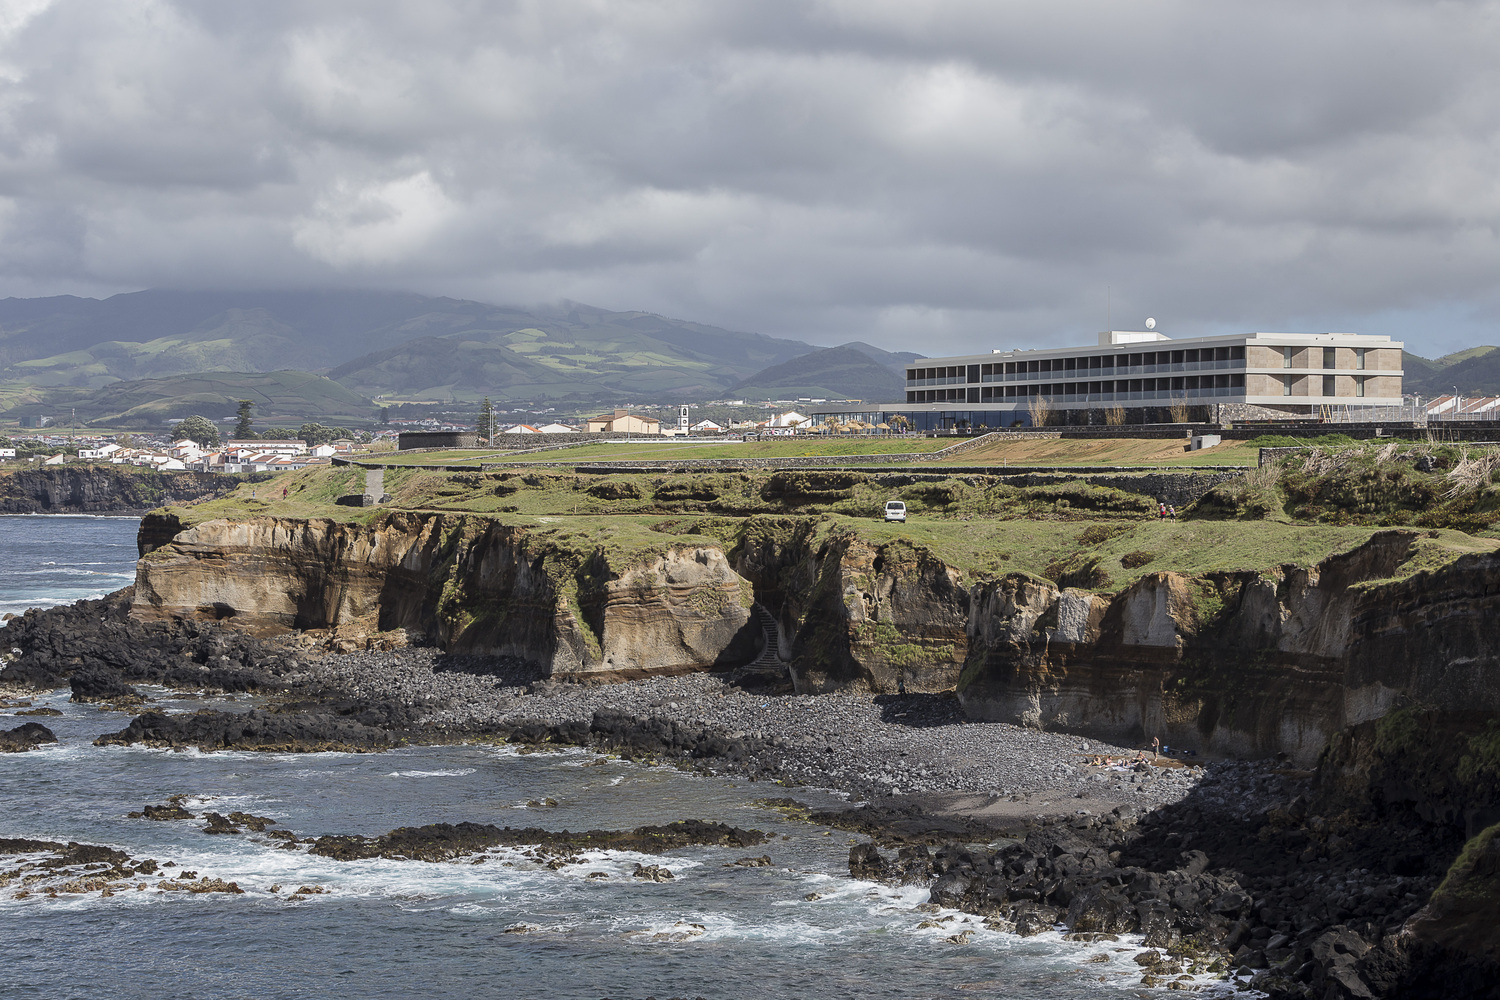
column 1246, row 664
column 99, row 489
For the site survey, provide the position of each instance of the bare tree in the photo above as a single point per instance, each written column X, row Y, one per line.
column 1041, row 409
column 1179, row 410
column 1114, row 415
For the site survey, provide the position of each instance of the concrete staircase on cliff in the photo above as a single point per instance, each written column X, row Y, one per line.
column 771, row 669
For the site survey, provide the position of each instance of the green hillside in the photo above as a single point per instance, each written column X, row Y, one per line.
column 1415, row 368
column 154, row 332
column 1467, row 354
column 834, row 373
column 1475, row 371
column 582, row 355
column 280, row 398
column 409, row 347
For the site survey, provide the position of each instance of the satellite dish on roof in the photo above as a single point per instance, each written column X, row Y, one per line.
column 1150, row 323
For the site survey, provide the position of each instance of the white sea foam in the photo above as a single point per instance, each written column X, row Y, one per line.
column 56, row 570
column 450, row 773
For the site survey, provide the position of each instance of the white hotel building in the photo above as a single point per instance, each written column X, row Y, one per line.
column 1146, row 374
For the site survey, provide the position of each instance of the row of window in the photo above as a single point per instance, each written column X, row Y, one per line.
column 1107, row 364
column 1093, row 363
column 1105, row 390
column 1330, row 384
column 1330, row 357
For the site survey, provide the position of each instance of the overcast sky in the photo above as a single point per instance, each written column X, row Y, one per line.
column 933, row 176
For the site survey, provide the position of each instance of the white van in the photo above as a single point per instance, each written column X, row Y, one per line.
column 895, row 510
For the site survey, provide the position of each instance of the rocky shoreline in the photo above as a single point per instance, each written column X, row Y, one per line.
column 1252, row 870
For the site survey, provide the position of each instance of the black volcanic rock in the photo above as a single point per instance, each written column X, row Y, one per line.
column 97, row 682
column 254, row 730
column 98, row 642
column 444, row 841
column 27, row 736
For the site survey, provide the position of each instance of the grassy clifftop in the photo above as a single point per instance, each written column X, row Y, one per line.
column 1071, row 533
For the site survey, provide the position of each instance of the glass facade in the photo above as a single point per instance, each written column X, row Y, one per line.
column 1116, row 377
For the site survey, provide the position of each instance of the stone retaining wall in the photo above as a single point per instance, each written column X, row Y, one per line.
column 1176, row 488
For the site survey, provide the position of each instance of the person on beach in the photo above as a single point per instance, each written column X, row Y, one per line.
column 1155, row 747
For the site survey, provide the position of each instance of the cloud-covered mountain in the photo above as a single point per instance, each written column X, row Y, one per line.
column 902, row 172
column 406, row 347
column 850, row 371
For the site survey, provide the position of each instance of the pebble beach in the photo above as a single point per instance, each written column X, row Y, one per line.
column 871, row 747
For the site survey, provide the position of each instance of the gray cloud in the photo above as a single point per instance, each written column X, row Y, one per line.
column 939, row 175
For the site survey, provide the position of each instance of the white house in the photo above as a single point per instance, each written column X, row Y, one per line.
column 557, row 429
column 790, row 418
column 292, row 447
column 520, row 429
column 54, row 460
column 324, row 451
column 706, row 427
column 7, row 453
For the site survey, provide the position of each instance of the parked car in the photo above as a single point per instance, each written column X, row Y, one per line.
column 895, row 510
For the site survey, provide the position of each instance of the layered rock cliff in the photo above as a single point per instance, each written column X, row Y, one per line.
column 100, row 489
column 1247, row 664
column 469, row 584
column 1240, row 663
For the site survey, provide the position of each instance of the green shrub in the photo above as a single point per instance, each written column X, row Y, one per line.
column 1096, row 534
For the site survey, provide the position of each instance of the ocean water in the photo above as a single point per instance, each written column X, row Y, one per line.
column 55, row 559
column 508, row 927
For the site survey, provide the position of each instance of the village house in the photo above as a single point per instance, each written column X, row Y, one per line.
column 292, row 447
column 557, row 429
column 520, row 429
column 623, row 422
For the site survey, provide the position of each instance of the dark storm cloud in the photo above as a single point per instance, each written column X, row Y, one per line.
column 944, row 175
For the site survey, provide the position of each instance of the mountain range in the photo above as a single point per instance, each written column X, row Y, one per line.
column 137, row 358
column 127, row 359
column 1475, row 372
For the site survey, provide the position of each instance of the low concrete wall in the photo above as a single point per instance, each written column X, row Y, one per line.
column 1438, row 430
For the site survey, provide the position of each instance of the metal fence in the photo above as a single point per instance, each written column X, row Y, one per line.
column 1410, row 413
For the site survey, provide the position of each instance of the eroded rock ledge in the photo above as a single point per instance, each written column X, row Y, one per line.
column 1246, row 663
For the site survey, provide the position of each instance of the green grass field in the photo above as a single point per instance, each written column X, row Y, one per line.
column 1121, row 451
column 659, row 451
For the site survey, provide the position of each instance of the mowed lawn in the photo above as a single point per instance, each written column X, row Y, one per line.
column 1107, row 451
column 661, row 451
